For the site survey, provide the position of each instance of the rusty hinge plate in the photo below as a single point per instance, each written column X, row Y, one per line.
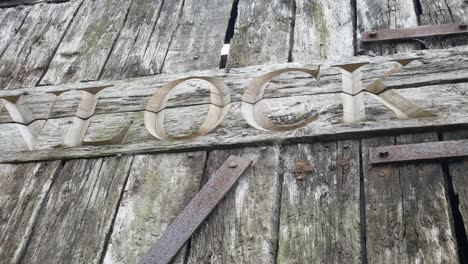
column 175, row 236
column 419, row 152
column 415, row 32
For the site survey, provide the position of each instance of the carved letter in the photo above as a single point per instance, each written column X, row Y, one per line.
column 253, row 106
column 219, row 105
column 353, row 101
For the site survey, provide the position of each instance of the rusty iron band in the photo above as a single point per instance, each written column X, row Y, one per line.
column 419, row 152
column 188, row 221
column 414, row 32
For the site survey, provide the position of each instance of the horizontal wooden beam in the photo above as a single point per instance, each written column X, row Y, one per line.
column 295, row 107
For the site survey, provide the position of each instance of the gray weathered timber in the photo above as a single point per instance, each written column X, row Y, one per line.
column 11, row 3
column 74, row 223
column 407, row 215
column 433, row 67
column 144, row 40
column 11, row 20
column 458, row 171
column 323, row 30
column 320, row 215
column 243, row 227
column 386, row 14
column 262, row 33
column 88, row 41
column 441, row 12
column 158, row 188
column 29, row 53
column 200, row 36
column 23, row 190
column 446, row 101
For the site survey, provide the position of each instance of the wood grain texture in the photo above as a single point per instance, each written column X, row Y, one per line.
column 441, row 12
column 388, row 14
column 320, row 221
column 88, row 42
column 407, row 214
column 323, row 30
column 262, row 33
column 11, row 20
column 159, row 187
column 200, row 36
column 144, row 40
column 75, row 221
column 23, row 190
column 243, row 227
column 458, row 171
column 29, row 53
column 11, row 3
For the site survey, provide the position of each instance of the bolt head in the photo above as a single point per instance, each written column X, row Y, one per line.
column 232, row 165
column 373, row 34
column 383, row 153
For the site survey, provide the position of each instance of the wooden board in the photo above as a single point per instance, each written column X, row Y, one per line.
column 23, row 191
column 388, row 14
column 159, row 187
column 77, row 218
column 262, row 33
column 88, row 42
column 320, row 217
column 29, row 53
column 11, row 20
column 10, row 3
column 243, row 227
column 322, row 30
column 458, row 172
column 407, row 213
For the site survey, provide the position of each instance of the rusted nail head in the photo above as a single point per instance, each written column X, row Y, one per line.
column 232, row 165
column 462, row 26
column 373, row 34
column 383, row 153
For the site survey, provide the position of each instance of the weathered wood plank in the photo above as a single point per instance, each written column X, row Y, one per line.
column 434, row 67
column 407, row 214
column 320, row 218
column 29, row 53
column 458, row 173
column 23, row 190
column 159, row 187
column 11, row 20
column 144, row 40
column 200, row 36
column 439, row 12
column 10, row 3
column 388, row 14
column 75, row 221
column 446, row 101
column 88, row 42
column 243, row 227
column 323, row 30
column 262, row 33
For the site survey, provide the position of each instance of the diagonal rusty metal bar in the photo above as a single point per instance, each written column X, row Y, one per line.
column 419, row 152
column 414, row 32
column 175, row 236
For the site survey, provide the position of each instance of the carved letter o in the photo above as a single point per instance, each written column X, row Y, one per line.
column 220, row 100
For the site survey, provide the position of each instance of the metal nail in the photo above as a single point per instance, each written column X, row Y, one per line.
column 232, row 165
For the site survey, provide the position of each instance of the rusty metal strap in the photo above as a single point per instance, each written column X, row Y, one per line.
column 414, row 32
column 175, row 236
column 419, row 152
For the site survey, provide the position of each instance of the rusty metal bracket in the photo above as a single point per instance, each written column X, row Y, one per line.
column 419, row 152
column 176, row 234
column 414, row 32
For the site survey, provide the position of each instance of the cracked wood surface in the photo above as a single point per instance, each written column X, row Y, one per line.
column 320, row 217
column 407, row 212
